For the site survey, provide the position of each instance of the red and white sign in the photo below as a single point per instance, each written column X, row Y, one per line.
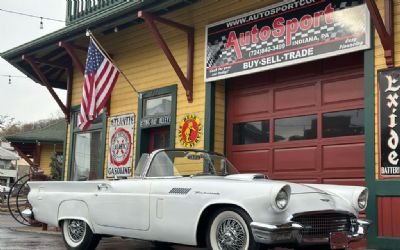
column 120, row 145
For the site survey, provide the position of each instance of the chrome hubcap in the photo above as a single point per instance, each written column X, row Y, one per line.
column 231, row 235
column 76, row 230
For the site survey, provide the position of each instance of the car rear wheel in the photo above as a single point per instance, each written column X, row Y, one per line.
column 230, row 229
column 77, row 235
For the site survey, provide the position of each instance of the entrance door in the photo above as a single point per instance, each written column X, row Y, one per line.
column 158, row 138
column 302, row 123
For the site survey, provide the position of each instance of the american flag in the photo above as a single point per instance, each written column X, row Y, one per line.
column 100, row 78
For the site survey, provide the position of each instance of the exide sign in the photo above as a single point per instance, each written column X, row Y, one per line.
column 285, row 34
column 389, row 91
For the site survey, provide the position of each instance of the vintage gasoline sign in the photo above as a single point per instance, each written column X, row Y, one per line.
column 283, row 34
column 120, row 145
column 389, row 91
column 190, row 130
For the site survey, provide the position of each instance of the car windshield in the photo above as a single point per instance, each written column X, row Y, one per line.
column 189, row 163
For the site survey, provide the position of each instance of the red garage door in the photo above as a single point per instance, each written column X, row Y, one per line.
column 303, row 123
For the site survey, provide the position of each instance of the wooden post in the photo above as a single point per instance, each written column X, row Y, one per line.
column 45, row 82
column 187, row 81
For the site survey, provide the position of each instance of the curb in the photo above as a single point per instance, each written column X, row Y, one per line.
column 37, row 230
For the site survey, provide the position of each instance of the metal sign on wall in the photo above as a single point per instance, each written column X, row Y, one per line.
column 285, row 34
column 389, row 86
column 120, row 141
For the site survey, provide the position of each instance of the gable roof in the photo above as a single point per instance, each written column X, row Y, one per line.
column 8, row 155
column 53, row 133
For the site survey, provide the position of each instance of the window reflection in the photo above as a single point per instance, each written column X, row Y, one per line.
column 86, row 155
column 158, row 106
column 296, row 128
column 343, row 123
column 251, row 132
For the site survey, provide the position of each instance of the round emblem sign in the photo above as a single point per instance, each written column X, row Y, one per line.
column 190, row 131
column 120, row 148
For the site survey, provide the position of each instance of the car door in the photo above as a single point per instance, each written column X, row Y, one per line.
column 122, row 204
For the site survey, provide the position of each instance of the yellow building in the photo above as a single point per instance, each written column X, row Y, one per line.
column 285, row 88
column 36, row 147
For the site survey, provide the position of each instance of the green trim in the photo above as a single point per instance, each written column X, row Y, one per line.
column 71, row 140
column 140, row 133
column 209, row 120
column 225, row 113
column 102, row 127
column 383, row 243
column 369, row 122
column 64, row 153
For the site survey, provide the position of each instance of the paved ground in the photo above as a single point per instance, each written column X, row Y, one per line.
column 14, row 236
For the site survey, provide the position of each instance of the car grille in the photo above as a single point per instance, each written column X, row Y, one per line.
column 321, row 225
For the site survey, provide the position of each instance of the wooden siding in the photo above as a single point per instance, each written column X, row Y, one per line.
column 219, row 142
column 380, row 63
column 140, row 57
column 45, row 155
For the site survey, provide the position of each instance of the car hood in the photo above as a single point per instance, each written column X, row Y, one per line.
column 295, row 188
column 310, row 197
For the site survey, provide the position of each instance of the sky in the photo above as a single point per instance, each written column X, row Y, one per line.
column 24, row 99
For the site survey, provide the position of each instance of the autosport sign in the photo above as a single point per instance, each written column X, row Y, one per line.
column 287, row 33
column 120, row 143
column 389, row 91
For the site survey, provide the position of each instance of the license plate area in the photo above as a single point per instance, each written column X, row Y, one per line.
column 338, row 240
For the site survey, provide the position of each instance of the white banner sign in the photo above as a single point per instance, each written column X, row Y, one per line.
column 120, row 145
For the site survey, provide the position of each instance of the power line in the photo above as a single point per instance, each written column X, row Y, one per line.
column 12, row 76
column 33, row 16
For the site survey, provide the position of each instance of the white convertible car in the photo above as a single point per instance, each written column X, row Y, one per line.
column 198, row 198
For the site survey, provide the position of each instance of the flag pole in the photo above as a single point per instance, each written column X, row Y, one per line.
column 90, row 34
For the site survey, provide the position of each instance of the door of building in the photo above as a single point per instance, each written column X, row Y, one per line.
column 302, row 123
column 158, row 138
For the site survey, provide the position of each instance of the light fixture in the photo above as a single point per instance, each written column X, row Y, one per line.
column 9, row 79
column 41, row 23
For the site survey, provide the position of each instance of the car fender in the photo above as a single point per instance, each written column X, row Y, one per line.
column 219, row 203
column 74, row 209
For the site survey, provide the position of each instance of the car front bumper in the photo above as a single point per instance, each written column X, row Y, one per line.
column 290, row 233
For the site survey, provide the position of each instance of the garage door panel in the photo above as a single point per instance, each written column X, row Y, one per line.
column 295, row 159
column 308, row 181
column 343, row 157
column 251, row 161
column 250, row 103
column 348, row 182
column 330, row 91
column 343, row 90
column 295, row 97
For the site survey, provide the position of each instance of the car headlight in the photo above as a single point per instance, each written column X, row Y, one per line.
column 282, row 199
column 280, row 196
column 362, row 199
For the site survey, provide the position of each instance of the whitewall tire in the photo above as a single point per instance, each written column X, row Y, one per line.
column 229, row 229
column 77, row 235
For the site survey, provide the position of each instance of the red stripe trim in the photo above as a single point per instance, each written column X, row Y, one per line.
column 103, row 102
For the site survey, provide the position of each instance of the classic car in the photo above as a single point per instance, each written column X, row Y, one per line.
column 195, row 197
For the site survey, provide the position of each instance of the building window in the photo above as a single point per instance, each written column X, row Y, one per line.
column 251, row 132
column 296, row 128
column 87, row 150
column 343, row 123
column 157, row 106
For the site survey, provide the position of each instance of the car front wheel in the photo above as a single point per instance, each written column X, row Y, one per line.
column 77, row 235
column 230, row 229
